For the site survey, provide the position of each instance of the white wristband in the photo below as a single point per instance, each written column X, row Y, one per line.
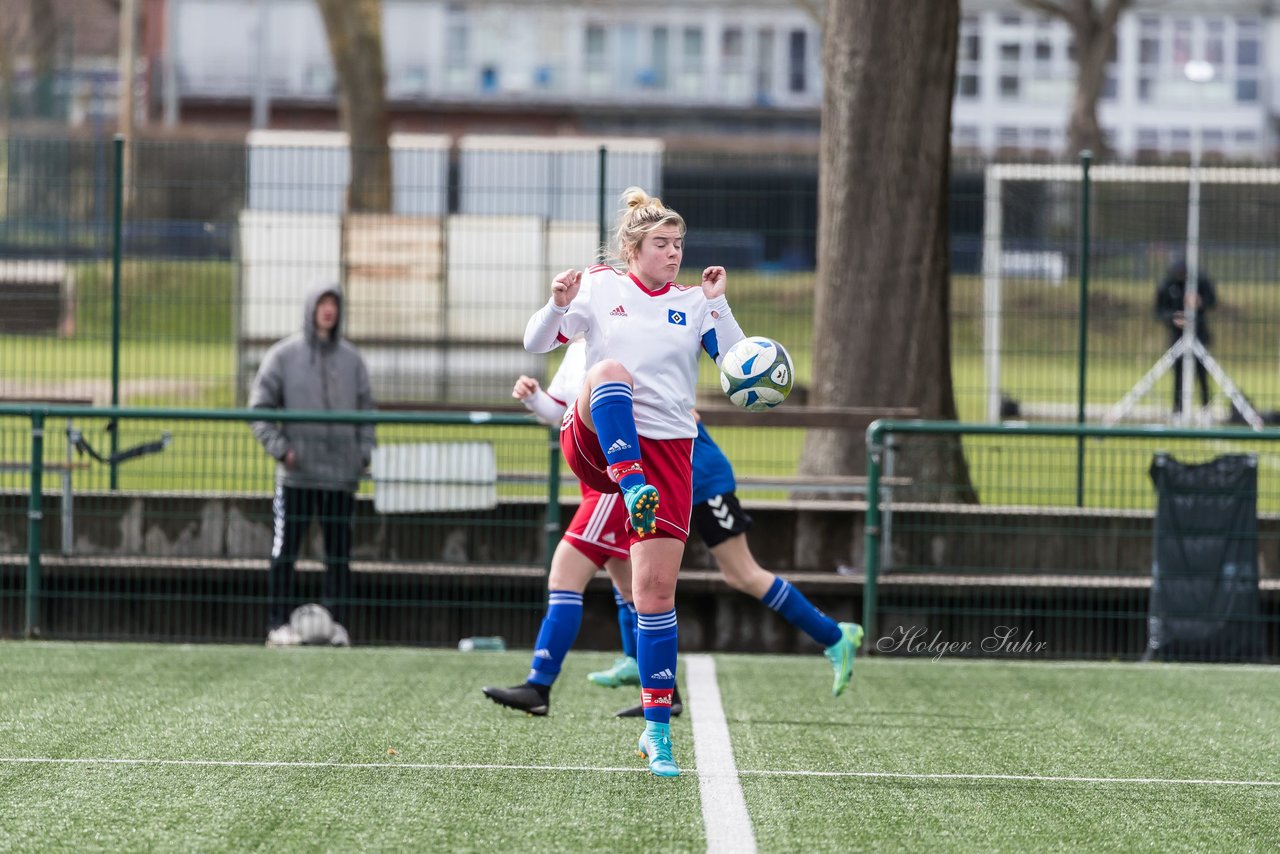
column 556, row 308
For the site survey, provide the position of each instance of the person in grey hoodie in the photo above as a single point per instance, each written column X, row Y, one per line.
column 319, row 464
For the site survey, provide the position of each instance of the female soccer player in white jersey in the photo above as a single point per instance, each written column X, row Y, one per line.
column 631, row 430
column 591, row 542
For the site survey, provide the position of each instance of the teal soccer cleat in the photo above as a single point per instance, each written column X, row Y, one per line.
column 624, row 671
column 642, row 504
column 655, row 745
column 841, row 655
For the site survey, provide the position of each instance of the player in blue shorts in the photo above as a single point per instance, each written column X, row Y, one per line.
column 722, row 523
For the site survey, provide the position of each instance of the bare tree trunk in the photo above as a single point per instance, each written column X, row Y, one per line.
column 881, row 314
column 1095, row 35
column 1093, row 29
column 354, row 29
column 44, row 39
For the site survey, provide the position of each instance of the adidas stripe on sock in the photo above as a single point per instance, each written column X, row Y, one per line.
column 656, row 642
column 611, row 410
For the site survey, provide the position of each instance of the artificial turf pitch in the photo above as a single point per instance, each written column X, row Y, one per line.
column 134, row 747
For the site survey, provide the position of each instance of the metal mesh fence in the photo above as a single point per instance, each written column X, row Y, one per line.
column 1058, row 550
column 448, row 538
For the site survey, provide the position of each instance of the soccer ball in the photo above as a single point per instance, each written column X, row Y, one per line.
column 756, row 373
column 313, row 623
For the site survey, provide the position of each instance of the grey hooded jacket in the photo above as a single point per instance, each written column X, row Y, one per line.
column 305, row 372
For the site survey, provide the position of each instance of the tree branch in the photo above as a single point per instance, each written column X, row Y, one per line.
column 813, row 8
column 1053, row 10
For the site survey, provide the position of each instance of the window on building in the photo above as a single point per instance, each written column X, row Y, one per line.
column 1010, row 85
column 1247, row 47
column 1110, row 86
column 1180, row 139
column 595, row 58
column 1148, row 139
column 691, row 48
column 456, row 41
column 964, row 136
column 1214, row 42
column 1181, row 42
column 798, row 61
column 1149, row 41
column 1248, row 66
column 1010, row 51
column 732, row 47
column 969, row 62
column 659, row 50
column 1007, row 137
column 764, row 66
column 733, row 63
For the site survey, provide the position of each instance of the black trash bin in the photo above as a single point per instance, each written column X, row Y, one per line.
column 1204, row 569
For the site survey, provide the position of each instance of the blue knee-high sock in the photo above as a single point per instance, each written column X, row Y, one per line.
column 656, row 643
column 616, row 429
column 559, row 630
column 800, row 612
column 626, row 623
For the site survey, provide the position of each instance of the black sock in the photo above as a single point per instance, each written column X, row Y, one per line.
column 544, row 691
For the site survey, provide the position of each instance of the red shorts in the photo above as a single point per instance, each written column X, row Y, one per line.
column 599, row 528
column 668, row 466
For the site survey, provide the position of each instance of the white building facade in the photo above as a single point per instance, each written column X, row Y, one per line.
column 1014, row 78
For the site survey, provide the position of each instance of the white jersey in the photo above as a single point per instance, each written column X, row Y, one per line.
column 656, row 335
column 570, row 376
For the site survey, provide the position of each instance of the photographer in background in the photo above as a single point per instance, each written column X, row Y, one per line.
column 1172, row 302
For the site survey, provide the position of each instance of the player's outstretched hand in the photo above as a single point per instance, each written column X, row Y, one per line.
column 565, row 287
column 525, row 387
column 714, row 280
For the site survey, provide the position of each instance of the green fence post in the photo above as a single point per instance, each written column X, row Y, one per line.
column 871, row 536
column 552, row 526
column 117, row 250
column 602, row 212
column 35, row 524
column 1086, row 157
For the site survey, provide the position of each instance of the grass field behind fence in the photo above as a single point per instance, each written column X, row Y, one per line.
column 178, row 350
column 141, row 747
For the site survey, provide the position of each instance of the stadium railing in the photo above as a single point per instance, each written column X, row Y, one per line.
column 178, row 548
column 1042, row 544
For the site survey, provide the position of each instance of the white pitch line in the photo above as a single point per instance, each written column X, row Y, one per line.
column 238, row 763
column 444, row 766
column 724, row 810
column 1016, row 778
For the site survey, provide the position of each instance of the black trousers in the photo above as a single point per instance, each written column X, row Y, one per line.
column 293, row 510
column 1202, row 378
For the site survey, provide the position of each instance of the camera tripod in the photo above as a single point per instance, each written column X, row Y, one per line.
column 1172, row 356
